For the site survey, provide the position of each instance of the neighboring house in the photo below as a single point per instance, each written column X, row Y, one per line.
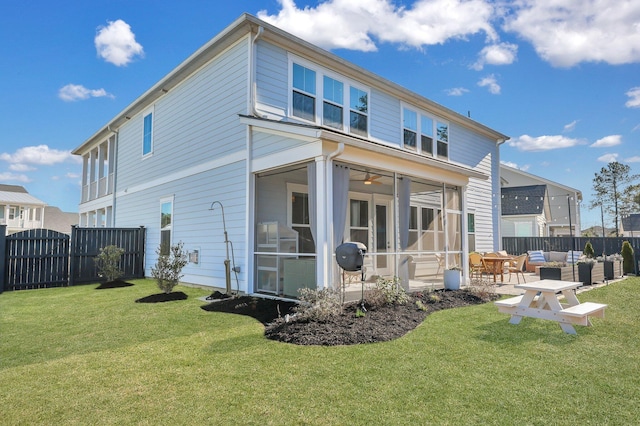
column 57, row 220
column 536, row 207
column 630, row 226
column 20, row 210
column 304, row 150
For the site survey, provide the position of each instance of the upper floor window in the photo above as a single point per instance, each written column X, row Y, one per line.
column 418, row 130
column 147, row 134
column 329, row 100
column 332, row 107
column 410, row 128
column 359, row 110
column 304, row 92
column 443, row 140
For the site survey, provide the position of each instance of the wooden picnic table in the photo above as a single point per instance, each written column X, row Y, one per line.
column 540, row 300
column 494, row 264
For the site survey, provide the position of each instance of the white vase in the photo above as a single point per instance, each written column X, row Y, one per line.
column 452, row 279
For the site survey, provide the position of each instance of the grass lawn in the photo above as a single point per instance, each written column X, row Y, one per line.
column 78, row 355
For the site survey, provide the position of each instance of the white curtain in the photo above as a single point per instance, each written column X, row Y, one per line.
column 404, row 215
column 340, row 202
column 404, row 198
column 312, row 197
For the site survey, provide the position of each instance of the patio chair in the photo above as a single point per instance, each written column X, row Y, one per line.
column 440, row 260
column 476, row 265
column 517, row 266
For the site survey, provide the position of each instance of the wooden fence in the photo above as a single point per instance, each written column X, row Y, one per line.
column 601, row 245
column 41, row 258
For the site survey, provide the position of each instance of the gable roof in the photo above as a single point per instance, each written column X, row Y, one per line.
column 520, row 200
column 248, row 25
column 13, row 188
column 19, row 198
column 631, row 223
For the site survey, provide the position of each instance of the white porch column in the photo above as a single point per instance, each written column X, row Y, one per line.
column 323, row 241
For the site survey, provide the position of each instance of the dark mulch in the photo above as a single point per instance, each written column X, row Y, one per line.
column 114, row 284
column 380, row 323
column 163, row 297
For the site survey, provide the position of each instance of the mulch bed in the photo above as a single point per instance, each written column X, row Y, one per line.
column 163, row 297
column 380, row 323
column 113, row 284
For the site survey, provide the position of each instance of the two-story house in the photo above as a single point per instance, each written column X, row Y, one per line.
column 268, row 150
column 20, row 210
column 533, row 206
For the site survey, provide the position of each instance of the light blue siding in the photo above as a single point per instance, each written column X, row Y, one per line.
column 272, row 78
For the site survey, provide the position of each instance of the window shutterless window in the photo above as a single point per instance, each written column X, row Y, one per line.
column 147, row 134
column 304, row 92
column 359, row 221
column 300, row 221
column 358, row 111
column 332, row 107
column 166, row 225
column 410, row 128
column 426, row 135
column 443, row 139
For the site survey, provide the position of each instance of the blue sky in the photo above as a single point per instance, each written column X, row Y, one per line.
column 560, row 77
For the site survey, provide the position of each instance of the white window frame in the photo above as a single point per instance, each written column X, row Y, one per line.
column 163, row 201
column 153, row 119
column 420, row 132
column 319, row 96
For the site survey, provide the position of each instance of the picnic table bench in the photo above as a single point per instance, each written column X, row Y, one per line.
column 540, row 300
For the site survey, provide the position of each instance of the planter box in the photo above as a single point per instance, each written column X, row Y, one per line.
column 612, row 269
column 452, row 279
column 590, row 273
column 562, row 273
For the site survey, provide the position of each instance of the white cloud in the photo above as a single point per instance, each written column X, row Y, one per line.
column 607, row 141
column 490, row 82
column 11, row 177
column 456, row 91
column 72, row 175
column 571, row 126
column 41, row 155
column 567, row 32
column 75, row 92
column 634, row 159
column 608, row 158
column 117, row 44
column 496, row 54
column 515, row 165
column 21, row 168
column 543, row 143
column 634, row 95
column 354, row 25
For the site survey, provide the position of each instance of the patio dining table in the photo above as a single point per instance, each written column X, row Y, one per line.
column 494, row 264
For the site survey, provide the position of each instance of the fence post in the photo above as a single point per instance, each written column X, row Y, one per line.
column 3, row 256
column 72, row 255
column 141, row 250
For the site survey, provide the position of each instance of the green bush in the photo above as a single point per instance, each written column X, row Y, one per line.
column 108, row 263
column 588, row 250
column 627, row 258
column 387, row 291
column 168, row 268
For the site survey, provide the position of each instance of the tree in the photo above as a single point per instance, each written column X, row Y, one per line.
column 108, row 262
column 609, row 186
column 168, row 268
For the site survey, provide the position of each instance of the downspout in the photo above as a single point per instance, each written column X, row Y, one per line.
column 252, row 73
column 328, row 251
column 250, row 190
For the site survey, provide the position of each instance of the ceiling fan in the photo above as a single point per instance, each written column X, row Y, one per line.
column 371, row 180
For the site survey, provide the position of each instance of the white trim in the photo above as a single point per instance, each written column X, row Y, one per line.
column 200, row 168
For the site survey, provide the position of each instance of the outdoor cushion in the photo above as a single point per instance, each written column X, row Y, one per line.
column 557, row 256
column 573, row 256
column 536, row 256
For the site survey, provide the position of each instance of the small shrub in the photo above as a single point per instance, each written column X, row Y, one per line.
column 387, row 291
column 588, row 250
column 627, row 257
column 318, row 305
column 360, row 313
column 420, row 305
column 108, row 263
column 168, row 268
column 482, row 288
